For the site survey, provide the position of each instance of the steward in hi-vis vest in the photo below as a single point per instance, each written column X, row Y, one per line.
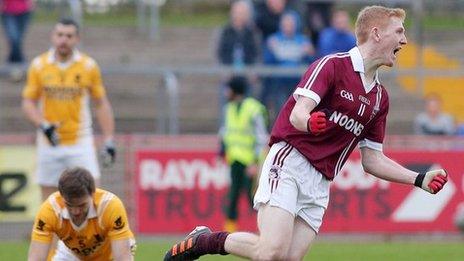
column 244, row 136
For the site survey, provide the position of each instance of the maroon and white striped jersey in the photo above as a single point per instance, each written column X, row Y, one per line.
column 356, row 112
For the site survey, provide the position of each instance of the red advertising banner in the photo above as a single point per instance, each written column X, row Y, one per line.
column 362, row 203
column 178, row 190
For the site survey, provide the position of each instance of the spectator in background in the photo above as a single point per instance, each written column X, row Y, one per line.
column 237, row 45
column 16, row 15
column 460, row 129
column 317, row 17
column 288, row 47
column 267, row 20
column 268, row 16
column 337, row 38
column 433, row 121
column 244, row 136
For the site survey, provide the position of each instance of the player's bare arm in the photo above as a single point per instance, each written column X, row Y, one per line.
column 38, row 251
column 300, row 113
column 379, row 165
column 105, row 117
column 32, row 112
column 376, row 163
column 121, row 250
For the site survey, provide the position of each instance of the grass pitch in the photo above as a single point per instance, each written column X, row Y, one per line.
column 151, row 250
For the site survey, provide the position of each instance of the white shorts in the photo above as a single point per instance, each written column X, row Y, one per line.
column 290, row 182
column 52, row 161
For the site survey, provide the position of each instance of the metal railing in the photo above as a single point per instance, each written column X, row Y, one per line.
column 167, row 100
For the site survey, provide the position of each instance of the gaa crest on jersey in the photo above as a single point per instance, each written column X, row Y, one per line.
column 274, row 172
column 274, row 177
column 118, row 223
column 347, row 95
column 77, row 78
column 40, row 225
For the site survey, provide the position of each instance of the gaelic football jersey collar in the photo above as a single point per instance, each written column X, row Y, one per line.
column 76, row 56
column 358, row 66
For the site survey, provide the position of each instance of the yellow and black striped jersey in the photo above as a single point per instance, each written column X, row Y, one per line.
column 106, row 221
column 63, row 91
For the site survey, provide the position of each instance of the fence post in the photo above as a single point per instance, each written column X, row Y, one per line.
column 160, row 106
column 141, row 16
column 152, row 8
column 172, row 91
column 154, row 20
column 418, row 30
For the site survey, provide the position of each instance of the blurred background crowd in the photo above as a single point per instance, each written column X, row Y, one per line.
column 282, row 36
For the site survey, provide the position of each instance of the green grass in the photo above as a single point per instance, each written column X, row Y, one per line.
column 444, row 22
column 198, row 19
column 321, row 251
column 127, row 16
column 209, row 16
column 119, row 17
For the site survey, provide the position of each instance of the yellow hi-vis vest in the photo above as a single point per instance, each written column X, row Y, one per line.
column 239, row 136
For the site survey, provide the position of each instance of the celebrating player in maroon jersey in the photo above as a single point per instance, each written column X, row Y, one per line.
column 338, row 104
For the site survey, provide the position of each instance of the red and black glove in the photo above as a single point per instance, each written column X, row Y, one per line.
column 432, row 181
column 316, row 123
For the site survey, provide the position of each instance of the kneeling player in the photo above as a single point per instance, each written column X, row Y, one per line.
column 90, row 223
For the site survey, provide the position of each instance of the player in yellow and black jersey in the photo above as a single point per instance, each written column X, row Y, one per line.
column 90, row 223
column 60, row 84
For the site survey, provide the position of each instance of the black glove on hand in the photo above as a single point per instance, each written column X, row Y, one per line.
column 108, row 153
column 49, row 130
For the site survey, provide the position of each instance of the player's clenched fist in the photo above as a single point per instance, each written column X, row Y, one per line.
column 432, row 181
column 316, row 123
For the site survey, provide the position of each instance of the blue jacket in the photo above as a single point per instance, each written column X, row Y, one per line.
column 332, row 40
column 289, row 49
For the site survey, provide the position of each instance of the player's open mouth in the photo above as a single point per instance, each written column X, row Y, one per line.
column 396, row 50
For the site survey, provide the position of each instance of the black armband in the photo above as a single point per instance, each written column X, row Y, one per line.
column 419, row 180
